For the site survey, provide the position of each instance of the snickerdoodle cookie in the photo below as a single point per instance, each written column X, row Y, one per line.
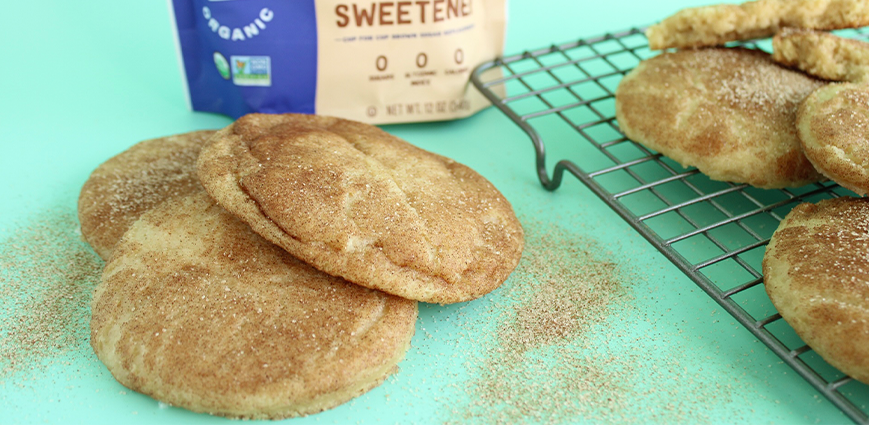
column 198, row 311
column 357, row 202
column 815, row 272
column 730, row 112
column 833, row 125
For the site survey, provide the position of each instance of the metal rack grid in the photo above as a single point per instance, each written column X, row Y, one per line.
column 712, row 231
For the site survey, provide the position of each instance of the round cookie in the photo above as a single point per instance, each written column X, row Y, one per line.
column 729, row 112
column 132, row 182
column 815, row 274
column 718, row 24
column 357, row 202
column 196, row 310
column 833, row 125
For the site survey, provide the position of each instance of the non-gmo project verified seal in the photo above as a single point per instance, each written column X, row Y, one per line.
column 251, row 70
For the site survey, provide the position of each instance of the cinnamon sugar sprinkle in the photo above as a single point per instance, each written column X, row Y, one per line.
column 562, row 352
column 47, row 275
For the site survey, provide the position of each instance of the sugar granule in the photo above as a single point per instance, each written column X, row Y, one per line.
column 555, row 356
column 47, row 275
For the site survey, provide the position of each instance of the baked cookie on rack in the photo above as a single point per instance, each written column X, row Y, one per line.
column 124, row 187
column 833, row 125
column 718, row 24
column 357, row 202
column 815, row 272
column 730, row 112
column 196, row 310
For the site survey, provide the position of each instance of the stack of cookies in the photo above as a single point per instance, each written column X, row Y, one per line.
column 272, row 268
column 745, row 116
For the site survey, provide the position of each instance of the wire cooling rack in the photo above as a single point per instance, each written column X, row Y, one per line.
column 714, row 232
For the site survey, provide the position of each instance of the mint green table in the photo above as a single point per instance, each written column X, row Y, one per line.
column 82, row 81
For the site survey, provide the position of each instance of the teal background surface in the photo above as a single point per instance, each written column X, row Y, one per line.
column 82, row 81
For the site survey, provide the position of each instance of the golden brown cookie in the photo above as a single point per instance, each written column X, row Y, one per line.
column 718, row 24
column 357, row 202
column 833, row 125
column 822, row 54
column 815, row 272
column 124, row 187
column 729, row 112
column 196, row 310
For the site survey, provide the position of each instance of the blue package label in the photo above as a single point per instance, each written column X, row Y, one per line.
column 376, row 62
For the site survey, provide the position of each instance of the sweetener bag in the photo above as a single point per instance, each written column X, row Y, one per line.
column 371, row 61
